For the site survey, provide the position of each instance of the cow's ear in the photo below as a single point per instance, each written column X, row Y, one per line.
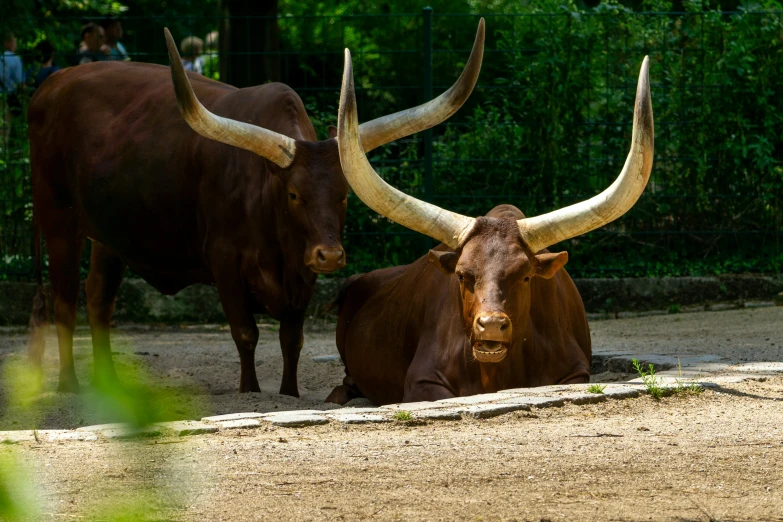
column 446, row 260
column 332, row 131
column 549, row 264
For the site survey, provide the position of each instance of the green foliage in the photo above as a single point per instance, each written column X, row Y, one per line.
column 548, row 125
column 60, row 22
column 693, row 388
column 16, row 501
column 556, row 127
column 403, row 416
column 651, row 382
column 596, row 388
column 685, row 387
column 138, row 399
column 144, row 399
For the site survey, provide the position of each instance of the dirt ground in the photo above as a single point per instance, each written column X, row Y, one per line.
column 197, row 367
column 748, row 334
column 713, row 456
column 717, row 455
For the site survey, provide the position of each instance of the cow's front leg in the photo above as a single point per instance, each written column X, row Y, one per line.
column 425, row 391
column 245, row 334
column 422, row 383
column 291, row 340
column 237, row 307
column 425, row 379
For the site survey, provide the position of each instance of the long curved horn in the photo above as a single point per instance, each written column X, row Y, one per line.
column 445, row 226
column 542, row 231
column 268, row 144
column 386, row 129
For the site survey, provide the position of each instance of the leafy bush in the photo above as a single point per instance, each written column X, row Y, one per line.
column 555, row 129
column 549, row 125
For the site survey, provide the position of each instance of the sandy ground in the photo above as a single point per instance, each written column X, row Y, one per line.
column 749, row 334
column 717, row 455
column 713, row 456
column 196, row 369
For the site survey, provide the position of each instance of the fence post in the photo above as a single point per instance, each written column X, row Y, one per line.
column 427, row 94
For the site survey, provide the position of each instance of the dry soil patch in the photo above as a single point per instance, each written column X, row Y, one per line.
column 713, row 456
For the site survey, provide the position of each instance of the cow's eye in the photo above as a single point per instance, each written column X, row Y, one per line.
column 527, row 278
column 292, row 196
column 460, row 277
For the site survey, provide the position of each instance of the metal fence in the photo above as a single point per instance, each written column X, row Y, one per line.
column 548, row 124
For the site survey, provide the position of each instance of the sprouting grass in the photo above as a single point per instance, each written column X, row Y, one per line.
column 690, row 387
column 596, row 388
column 651, row 382
column 403, row 416
column 686, row 387
column 654, row 385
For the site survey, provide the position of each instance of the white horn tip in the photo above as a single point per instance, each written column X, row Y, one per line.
column 481, row 29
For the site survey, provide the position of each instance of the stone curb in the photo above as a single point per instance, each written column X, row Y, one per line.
column 704, row 371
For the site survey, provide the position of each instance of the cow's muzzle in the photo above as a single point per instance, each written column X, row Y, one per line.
column 491, row 337
column 324, row 260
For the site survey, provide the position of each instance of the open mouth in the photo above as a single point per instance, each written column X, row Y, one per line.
column 489, row 351
column 318, row 271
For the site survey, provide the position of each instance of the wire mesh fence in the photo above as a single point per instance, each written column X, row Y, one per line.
column 549, row 123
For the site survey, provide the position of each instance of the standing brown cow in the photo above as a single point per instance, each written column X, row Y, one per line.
column 250, row 202
column 490, row 308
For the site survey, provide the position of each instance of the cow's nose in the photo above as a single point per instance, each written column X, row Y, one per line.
column 496, row 326
column 328, row 259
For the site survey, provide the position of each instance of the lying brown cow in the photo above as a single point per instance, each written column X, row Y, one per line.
column 236, row 193
column 489, row 309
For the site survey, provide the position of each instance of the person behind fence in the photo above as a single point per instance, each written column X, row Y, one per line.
column 211, row 57
column 191, row 49
column 11, row 78
column 113, row 30
column 45, row 56
column 92, row 47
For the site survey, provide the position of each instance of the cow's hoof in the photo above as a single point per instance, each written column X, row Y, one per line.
column 293, row 391
column 68, row 384
column 340, row 395
column 249, row 387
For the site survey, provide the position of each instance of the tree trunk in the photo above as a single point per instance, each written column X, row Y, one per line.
column 246, row 41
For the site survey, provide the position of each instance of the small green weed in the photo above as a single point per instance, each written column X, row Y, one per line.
column 674, row 309
column 403, row 416
column 686, row 387
column 650, row 380
column 596, row 388
column 691, row 387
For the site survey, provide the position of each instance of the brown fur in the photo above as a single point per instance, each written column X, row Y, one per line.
column 406, row 333
column 113, row 160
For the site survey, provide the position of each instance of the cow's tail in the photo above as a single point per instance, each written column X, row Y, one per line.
column 39, row 316
column 337, row 303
